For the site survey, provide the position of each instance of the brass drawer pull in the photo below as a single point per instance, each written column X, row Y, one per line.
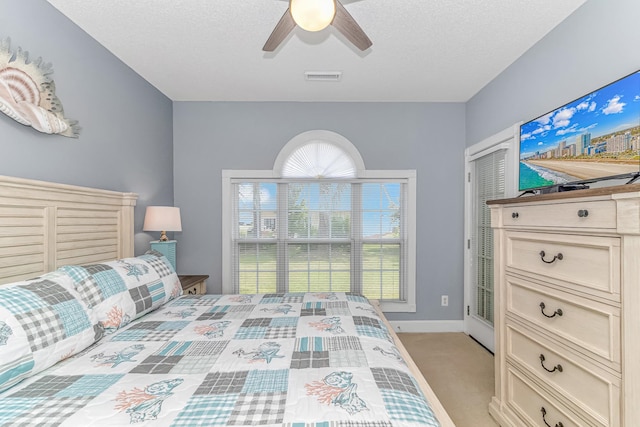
column 544, row 415
column 558, row 367
column 558, row 312
column 583, row 213
column 556, row 257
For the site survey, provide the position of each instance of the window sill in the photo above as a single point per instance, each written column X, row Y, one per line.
column 397, row 307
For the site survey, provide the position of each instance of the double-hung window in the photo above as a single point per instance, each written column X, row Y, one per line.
column 321, row 234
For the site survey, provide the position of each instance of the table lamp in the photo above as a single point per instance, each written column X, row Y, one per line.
column 163, row 219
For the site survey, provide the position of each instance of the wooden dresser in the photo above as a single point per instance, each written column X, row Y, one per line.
column 567, row 308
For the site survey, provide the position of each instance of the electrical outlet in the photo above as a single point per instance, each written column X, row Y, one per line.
column 444, row 300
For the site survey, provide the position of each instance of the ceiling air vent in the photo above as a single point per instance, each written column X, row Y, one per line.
column 323, row 76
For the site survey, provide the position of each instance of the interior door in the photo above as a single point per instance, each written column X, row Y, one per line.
column 490, row 175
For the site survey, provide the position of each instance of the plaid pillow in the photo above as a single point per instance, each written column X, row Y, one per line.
column 122, row 290
column 42, row 321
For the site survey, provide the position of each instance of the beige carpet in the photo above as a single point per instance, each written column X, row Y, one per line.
column 460, row 372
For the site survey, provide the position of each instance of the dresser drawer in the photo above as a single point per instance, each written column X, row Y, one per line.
column 593, row 214
column 193, row 284
column 193, row 290
column 592, row 327
column 588, row 387
column 590, row 262
column 537, row 408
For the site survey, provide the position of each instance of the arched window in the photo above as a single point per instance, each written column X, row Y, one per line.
column 319, row 221
column 319, row 154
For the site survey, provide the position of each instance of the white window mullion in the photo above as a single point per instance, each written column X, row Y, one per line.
column 282, row 274
column 235, row 249
column 257, row 228
column 356, row 238
column 404, row 253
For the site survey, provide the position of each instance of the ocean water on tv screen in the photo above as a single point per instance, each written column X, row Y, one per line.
column 532, row 177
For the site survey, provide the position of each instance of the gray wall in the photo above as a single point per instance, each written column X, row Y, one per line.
column 128, row 132
column 126, row 139
column 594, row 46
column 209, row 137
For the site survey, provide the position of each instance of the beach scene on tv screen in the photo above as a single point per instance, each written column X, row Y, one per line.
column 593, row 137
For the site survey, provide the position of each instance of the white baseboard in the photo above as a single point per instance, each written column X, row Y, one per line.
column 422, row 326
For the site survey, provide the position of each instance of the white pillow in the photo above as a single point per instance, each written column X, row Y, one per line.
column 42, row 321
column 122, row 290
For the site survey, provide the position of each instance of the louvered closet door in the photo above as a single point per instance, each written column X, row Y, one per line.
column 487, row 183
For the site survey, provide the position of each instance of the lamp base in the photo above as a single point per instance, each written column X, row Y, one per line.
column 168, row 249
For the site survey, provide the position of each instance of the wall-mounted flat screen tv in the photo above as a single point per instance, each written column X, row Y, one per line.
column 593, row 138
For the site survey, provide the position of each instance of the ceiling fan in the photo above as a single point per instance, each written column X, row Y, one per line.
column 315, row 15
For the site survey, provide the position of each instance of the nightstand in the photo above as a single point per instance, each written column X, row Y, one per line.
column 194, row 285
column 168, row 249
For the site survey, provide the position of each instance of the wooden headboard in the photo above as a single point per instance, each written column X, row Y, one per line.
column 45, row 225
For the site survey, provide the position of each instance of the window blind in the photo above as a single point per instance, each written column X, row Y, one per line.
column 489, row 184
column 320, row 235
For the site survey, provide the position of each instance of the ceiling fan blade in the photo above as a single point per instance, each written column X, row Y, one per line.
column 282, row 30
column 348, row 26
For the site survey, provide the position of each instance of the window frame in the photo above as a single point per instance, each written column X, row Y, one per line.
column 360, row 172
column 228, row 176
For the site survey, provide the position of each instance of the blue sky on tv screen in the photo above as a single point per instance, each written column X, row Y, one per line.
column 612, row 108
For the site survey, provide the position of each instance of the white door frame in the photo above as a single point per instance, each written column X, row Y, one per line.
column 504, row 140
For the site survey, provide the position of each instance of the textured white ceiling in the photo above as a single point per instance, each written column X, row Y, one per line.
column 423, row 50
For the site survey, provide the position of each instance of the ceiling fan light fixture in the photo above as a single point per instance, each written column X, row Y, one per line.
column 313, row 15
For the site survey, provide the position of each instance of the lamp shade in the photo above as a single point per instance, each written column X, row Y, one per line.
column 162, row 218
column 313, row 15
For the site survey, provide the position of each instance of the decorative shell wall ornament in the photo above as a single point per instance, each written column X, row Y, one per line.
column 28, row 95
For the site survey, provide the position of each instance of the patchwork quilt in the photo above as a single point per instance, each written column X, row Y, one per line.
column 295, row 360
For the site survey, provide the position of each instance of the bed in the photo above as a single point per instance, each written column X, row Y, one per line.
column 92, row 335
